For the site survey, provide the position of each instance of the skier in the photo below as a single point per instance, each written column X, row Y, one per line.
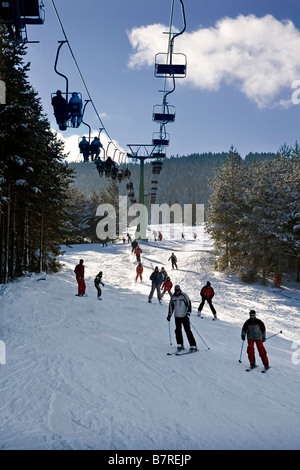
column 278, row 280
column 181, row 305
column 173, row 261
column 138, row 252
column 134, row 244
column 166, row 287
column 156, row 278
column 139, row 272
column 97, row 282
column 164, row 273
column 255, row 331
column 207, row 294
column 79, row 271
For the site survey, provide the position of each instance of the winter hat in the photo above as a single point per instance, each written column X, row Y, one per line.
column 252, row 313
column 177, row 287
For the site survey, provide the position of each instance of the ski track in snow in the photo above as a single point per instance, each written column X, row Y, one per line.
column 87, row 374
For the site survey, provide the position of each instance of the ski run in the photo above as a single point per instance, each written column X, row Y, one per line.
column 82, row 374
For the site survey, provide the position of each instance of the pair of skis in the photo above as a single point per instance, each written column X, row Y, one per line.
column 182, row 353
column 262, row 371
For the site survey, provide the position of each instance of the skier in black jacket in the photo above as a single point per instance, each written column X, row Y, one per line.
column 255, row 331
column 156, row 278
column 97, row 282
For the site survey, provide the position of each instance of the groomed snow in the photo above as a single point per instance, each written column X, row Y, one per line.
column 81, row 373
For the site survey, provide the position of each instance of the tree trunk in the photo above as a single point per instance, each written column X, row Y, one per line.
column 7, row 236
column 41, row 242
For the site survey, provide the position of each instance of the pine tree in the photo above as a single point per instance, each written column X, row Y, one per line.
column 254, row 214
column 225, row 208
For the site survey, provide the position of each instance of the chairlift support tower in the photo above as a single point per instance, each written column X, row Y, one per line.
column 142, row 152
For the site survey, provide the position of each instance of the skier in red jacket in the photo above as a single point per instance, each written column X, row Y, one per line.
column 79, row 271
column 207, row 294
column 138, row 252
column 166, row 287
column 139, row 272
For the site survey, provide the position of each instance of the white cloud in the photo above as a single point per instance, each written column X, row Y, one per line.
column 147, row 41
column 71, row 146
column 259, row 55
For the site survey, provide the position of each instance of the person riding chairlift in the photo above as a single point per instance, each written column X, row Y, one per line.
column 75, row 109
column 60, row 107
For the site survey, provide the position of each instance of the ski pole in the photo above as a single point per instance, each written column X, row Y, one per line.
column 170, row 334
column 199, row 335
column 240, row 359
column 274, row 335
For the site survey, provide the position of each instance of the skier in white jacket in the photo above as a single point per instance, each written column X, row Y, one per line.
column 181, row 305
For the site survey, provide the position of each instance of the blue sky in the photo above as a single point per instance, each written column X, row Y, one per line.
column 242, row 59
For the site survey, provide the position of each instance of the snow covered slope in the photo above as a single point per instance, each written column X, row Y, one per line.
column 87, row 374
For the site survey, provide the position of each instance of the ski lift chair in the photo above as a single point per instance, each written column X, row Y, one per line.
column 158, row 155
column 166, row 68
column 163, row 113
column 16, row 14
column 160, row 140
column 156, row 168
column 66, row 114
column 100, row 165
column 127, row 173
